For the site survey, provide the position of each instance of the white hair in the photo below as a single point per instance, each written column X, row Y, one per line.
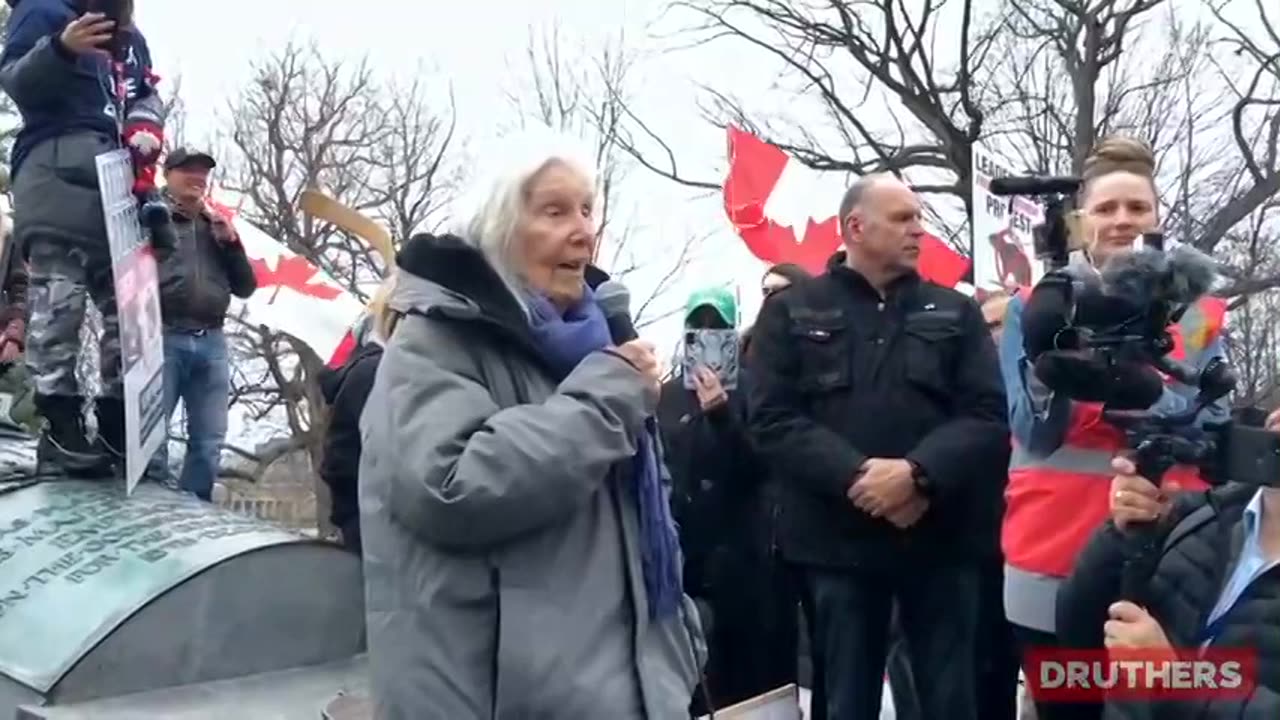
column 489, row 210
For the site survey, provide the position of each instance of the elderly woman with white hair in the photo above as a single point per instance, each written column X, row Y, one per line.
column 520, row 558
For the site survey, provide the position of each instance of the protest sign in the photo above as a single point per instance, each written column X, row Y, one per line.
column 133, row 268
column 1004, row 254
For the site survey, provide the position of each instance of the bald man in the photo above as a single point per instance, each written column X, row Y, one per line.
column 878, row 393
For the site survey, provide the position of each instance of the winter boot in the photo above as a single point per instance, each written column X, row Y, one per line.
column 110, row 442
column 63, row 448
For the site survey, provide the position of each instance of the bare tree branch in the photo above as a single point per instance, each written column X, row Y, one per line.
column 305, row 121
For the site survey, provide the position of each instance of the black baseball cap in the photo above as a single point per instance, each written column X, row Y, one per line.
column 185, row 157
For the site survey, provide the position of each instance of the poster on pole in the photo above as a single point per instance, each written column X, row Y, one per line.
column 137, row 286
column 1004, row 255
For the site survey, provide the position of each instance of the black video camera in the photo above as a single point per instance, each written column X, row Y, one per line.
column 1052, row 237
column 1105, row 338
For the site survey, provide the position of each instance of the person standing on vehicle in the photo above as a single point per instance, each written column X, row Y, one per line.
column 198, row 277
column 83, row 84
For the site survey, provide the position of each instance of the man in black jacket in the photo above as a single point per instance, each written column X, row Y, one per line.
column 198, row 275
column 875, row 390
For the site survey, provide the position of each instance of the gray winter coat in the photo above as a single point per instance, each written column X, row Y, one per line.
column 502, row 568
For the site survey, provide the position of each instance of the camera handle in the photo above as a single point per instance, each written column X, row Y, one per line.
column 1153, row 457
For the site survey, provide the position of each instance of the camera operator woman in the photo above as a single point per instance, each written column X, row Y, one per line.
column 1214, row 585
column 519, row 555
column 1059, row 472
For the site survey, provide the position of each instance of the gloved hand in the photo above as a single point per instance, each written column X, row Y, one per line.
column 145, row 140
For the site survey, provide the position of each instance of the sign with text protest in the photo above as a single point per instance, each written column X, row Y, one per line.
column 137, row 286
column 1003, row 250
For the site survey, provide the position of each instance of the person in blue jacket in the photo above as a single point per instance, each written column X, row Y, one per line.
column 80, row 74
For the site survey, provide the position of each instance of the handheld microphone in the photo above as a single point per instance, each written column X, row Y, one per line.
column 1034, row 185
column 1179, row 276
column 615, row 301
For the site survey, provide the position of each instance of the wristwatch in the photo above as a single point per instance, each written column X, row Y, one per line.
column 920, row 479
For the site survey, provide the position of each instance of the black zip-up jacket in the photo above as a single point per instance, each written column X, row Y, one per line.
column 346, row 389
column 843, row 375
column 1200, row 543
column 200, row 274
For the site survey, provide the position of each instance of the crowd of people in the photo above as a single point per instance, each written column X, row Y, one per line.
column 875, row 480
column 884, row 465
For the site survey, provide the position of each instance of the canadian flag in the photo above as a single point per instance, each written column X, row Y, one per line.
column 770, row 197
column 294, row 296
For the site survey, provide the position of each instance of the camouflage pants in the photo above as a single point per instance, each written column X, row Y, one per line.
column 58, row 221
column 63, row 280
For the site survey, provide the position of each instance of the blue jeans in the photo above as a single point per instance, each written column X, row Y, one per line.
column 197, row 370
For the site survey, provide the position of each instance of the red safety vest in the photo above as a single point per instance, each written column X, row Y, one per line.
column 1054, row 504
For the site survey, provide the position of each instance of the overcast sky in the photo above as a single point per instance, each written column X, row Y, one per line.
column 476, row 46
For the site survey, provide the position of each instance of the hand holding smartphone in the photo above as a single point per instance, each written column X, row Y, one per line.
column 90, row 33
column 716, row 350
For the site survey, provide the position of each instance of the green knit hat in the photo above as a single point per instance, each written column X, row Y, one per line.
column 717, row 298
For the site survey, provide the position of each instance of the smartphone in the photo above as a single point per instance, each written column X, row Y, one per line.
column 717, row 350
column 116, row 11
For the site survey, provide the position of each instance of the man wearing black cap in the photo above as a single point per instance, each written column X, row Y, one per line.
column 205, row 266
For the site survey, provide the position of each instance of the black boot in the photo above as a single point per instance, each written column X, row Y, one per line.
column 157, row 218
column 111, row 431
column 63, row 448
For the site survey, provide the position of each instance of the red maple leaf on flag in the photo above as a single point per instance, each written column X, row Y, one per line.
column 292, row 272
column 755, row 167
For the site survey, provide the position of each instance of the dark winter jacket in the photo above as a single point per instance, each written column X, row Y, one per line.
column 346, row 389
column 1201, row 542
column 200, row 274
column 843, row 374
column 720, row 495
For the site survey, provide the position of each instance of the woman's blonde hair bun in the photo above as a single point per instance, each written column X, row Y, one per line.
column 1120, row 153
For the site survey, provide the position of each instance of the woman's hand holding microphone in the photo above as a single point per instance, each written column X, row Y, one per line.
column 643, row 357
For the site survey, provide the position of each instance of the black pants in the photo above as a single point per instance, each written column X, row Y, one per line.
column 817, row 694
column 938, row 610
column 998, row 656
column 1029, row 639
column 753, row 643
column 350, row 530
column 902, row 683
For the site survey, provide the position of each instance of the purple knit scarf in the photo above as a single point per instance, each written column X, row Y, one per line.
column 564, row 340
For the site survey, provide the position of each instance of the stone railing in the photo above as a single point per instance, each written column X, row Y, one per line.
column 287, row 509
